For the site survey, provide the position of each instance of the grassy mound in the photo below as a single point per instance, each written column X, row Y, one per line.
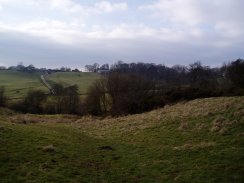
column 197, row 141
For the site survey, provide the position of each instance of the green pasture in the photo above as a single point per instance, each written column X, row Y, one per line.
column 83, row 80
column 17, row 84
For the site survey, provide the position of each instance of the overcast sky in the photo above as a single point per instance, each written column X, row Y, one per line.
column 73, row 33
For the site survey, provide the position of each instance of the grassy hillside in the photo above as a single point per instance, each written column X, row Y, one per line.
column 18, row 83
column 197, row 141
column 83, row 80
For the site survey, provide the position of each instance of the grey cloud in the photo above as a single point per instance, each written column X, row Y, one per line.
column 43, row 53
column 207, row 30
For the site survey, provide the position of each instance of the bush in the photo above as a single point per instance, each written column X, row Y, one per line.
column 96, row 102
column 119, row 94
column 235, row 73
column 129, row 93
column 189, row 93
column 65, row 101
column 32, row 103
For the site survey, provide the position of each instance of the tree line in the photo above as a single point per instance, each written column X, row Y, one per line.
column 31, row 69
column 137, row 87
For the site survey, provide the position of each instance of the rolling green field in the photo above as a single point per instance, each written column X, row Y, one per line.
column 198, row 141
column 17, row 84
column 83, row 80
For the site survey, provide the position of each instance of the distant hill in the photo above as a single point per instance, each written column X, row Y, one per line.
column 199, row 141
column 82, row 79
column 17, row 83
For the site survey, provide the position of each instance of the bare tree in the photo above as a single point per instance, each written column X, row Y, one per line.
column 119, row 94
column 97, row 100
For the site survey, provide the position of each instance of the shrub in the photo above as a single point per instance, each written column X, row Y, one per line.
column 96, row 102
column 65, row 101
column 129, row 93
column 120, row 94
column 235, row 73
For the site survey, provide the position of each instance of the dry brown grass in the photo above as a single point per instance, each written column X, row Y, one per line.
column 183, row 126
column 31, row 118
column 178, row 113
column 170, row 113
column 200, row 126
column 239, row 113
column 49, row 148
column 221, row 124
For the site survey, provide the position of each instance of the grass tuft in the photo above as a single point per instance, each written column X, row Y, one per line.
column 49, row 148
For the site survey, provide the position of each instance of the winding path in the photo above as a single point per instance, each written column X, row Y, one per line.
column 47, row 85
